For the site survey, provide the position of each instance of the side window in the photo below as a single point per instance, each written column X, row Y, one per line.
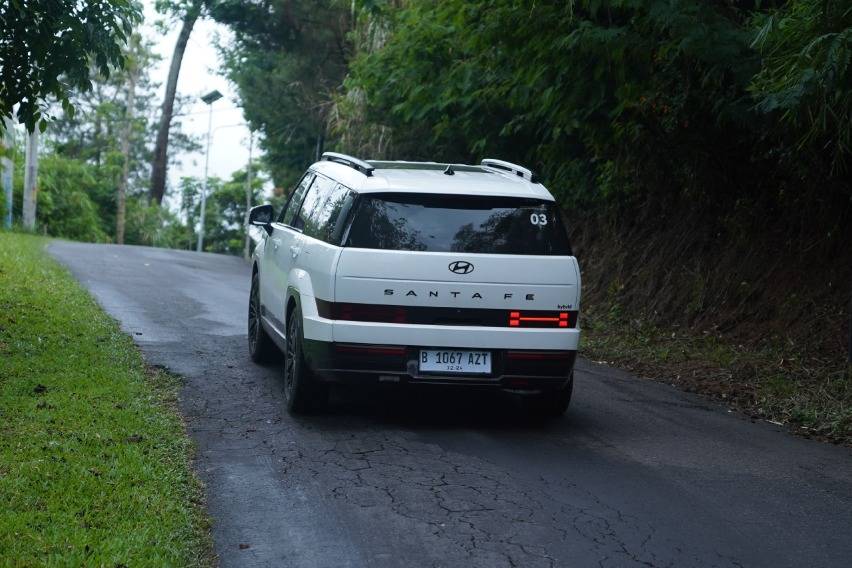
column 344, row 199
column 288, row 214
column 312, row 216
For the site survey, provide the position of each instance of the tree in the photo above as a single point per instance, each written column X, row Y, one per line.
column 48, row 47
column 292, row 53
column 189, row 10
column 65, row 208
column 224, row 219
column 106, row 119
column 807, row 73
column 110, row 138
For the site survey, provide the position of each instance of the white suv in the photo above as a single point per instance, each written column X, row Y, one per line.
column 408, row 272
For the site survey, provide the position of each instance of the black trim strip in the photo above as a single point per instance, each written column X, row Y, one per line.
column 429, row 315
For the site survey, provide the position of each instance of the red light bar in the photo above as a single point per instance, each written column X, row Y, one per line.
column 559, row 319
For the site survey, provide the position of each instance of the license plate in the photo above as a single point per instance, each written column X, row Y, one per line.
column 452, row 361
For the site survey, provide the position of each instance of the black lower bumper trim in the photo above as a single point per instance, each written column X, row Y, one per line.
column 365, row 363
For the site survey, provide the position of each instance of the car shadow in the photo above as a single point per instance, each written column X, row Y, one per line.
column 423, row 407
column 434, row 407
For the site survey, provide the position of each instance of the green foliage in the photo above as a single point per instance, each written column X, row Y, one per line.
column 287, row 60
column 48, row 47
column 224, row 214
column 155, row 226
column 93, row 132
column 81, row 160
column 618, row 103
column 605, row 98
column 807, row 76
column 65, row 206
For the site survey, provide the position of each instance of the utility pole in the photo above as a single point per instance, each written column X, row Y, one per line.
column 8, row 169
column 30, row 180
column 248, row 196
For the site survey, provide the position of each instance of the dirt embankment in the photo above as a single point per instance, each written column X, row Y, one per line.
column 748, row 308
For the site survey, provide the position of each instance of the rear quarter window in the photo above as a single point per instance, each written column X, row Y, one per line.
column 324, row 210
column 288, row 214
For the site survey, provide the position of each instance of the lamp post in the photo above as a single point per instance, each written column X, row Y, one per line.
column 208, row 99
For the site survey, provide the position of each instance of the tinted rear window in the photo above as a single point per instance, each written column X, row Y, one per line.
column 453, row 223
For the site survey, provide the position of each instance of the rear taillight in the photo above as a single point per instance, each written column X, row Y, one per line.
column 542, row 319
column 365, row 349
column 369, row 312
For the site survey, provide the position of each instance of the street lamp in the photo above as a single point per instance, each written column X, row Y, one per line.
column 208, row 99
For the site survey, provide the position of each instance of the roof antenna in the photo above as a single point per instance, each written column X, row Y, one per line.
column 449, row 171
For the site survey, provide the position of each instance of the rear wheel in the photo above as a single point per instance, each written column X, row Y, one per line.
column 551, row 404
column 261, row 347
column 302, row 392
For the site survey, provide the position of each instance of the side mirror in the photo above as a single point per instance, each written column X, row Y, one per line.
column 261, row 216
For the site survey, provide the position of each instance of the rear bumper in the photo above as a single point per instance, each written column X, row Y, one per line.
column 521, row 370
column 453, row 336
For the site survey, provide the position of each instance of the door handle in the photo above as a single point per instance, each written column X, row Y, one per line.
column 294, row 251
column 276, row 244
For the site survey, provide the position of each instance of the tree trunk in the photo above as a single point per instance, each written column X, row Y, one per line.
column 160, row 162
column 125, row 153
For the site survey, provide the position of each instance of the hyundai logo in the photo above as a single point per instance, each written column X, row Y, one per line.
column 461, row 267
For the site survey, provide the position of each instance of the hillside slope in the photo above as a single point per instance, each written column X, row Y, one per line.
column 744, row 315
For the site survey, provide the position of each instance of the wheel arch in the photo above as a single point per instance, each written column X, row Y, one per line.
column 294, row 300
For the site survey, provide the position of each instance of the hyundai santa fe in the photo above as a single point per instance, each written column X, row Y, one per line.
column 416, row 273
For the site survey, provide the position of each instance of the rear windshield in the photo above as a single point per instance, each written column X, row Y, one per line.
column 454, row 223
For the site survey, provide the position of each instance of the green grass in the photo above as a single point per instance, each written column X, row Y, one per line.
column 94, row 460
column 812, row 395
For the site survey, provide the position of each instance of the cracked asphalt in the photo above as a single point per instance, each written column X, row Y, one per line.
column 636, row 474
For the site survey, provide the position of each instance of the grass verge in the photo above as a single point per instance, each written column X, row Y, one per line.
column 772, row 382
column 95, row 464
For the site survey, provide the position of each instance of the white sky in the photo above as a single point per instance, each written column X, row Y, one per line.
column 200, row 74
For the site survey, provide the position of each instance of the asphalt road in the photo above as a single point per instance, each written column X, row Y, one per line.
column 637, row 473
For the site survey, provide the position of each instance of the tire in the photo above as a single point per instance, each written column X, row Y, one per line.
column 551, row 404
column 261, row 347
column 302, row 392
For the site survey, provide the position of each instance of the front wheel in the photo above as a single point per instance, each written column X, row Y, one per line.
column 302, row 392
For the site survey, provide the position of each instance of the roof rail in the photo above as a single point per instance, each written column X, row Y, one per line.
column 519, row 171
column 354, row 163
